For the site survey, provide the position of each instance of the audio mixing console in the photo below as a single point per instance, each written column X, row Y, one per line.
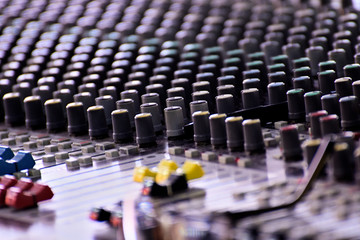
column 179, row 119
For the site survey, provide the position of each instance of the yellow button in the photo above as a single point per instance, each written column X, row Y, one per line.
column 163, row 174
column 192, row 170
column 166, row 163
column 165, row 168
column 141, row 172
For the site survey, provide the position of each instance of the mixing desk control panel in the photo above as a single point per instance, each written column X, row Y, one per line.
column 179, row 119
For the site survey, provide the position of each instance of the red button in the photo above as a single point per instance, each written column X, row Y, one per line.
column 29, row 198
column 6, row 182
column 41, row 192
column 12, row 194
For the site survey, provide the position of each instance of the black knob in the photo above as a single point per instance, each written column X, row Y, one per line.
column 234, row 132
column 295, row 98
column 217, row 130
column 201, row 127
column 77, row 122
column 108, row 104
column 145, row 134
column 14, row 114
column 253, row 137
column 174, row 121
column 121, row 125
column 35, row 118
column 97, row 122
column 55, row 119
column 290, row 143
column 350, row 114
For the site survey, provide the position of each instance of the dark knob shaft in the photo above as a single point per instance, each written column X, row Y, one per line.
column 145, row 134
column 14, row 115
column 253, row 137
column 234, row 132
column 77, row 124
column 97, row 122
column 217, row 130
column 55, row 119
column 35, row 118
column 121, row 125
column 290, row 143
